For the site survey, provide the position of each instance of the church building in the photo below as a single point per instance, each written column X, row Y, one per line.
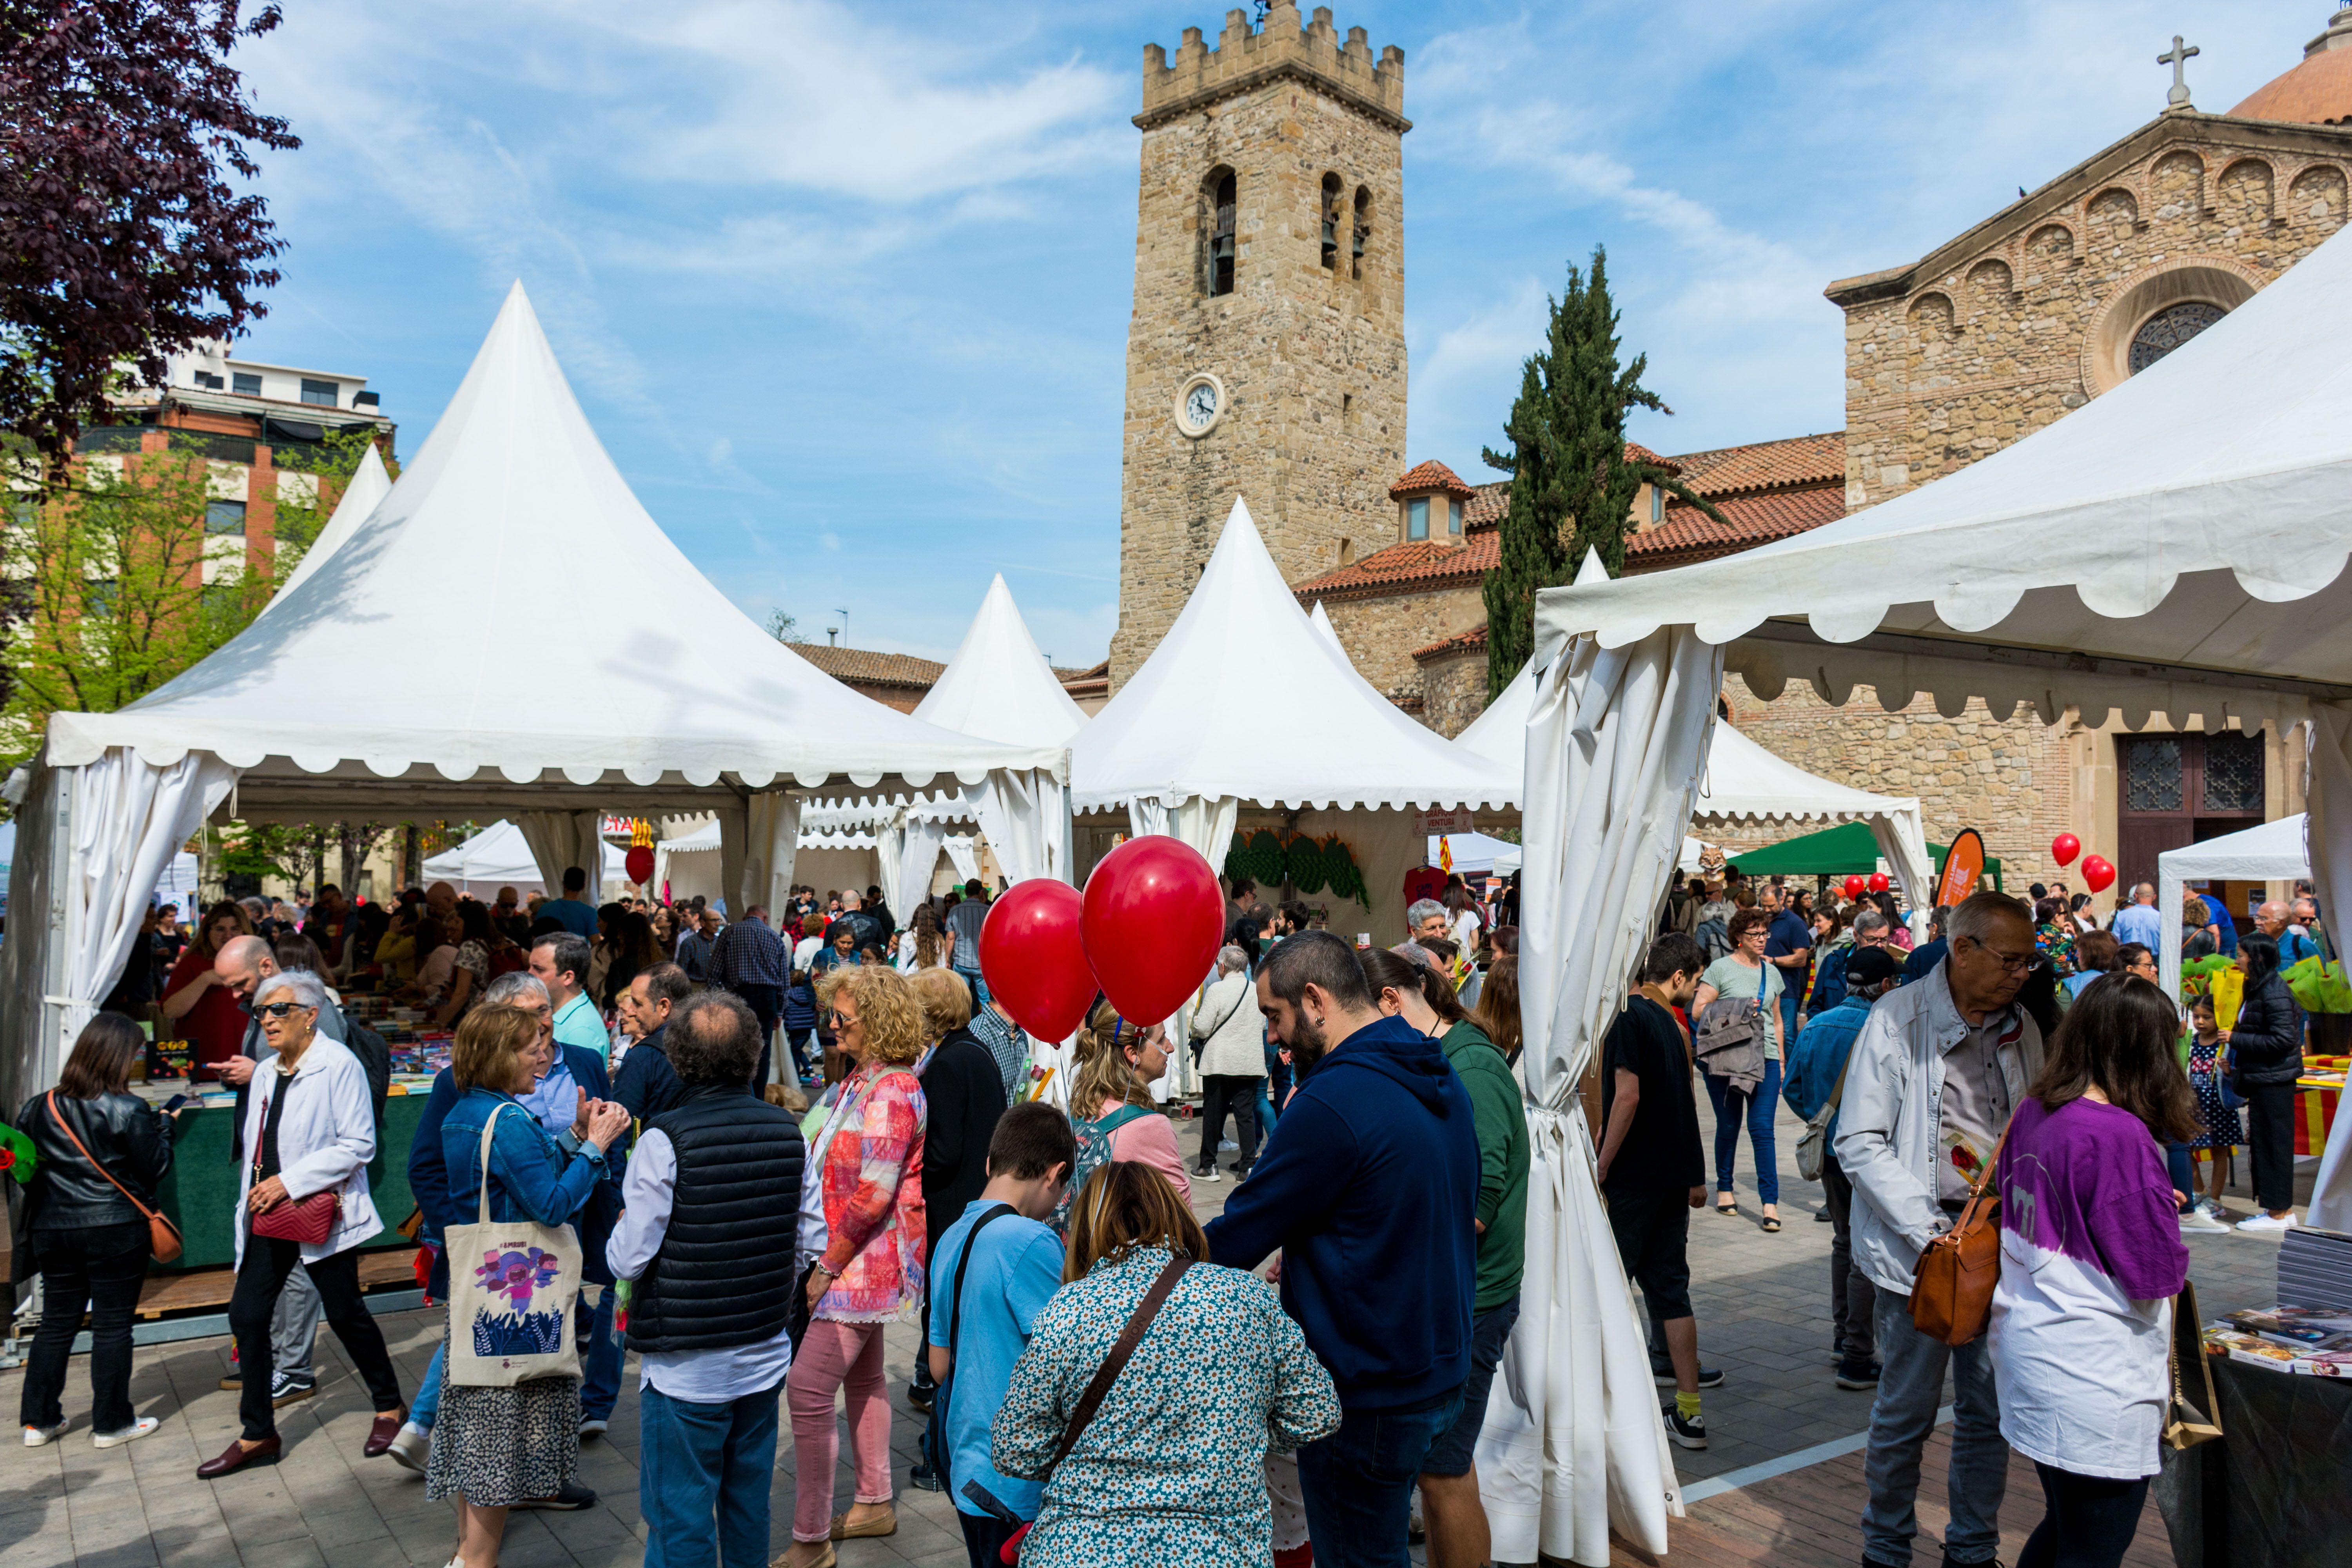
column 1266, row 358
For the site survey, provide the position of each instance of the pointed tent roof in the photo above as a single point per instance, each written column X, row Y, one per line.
column 369, row 485
column 513, row 508
column 1323, row 625
column 998, row 685
column 1318, row 735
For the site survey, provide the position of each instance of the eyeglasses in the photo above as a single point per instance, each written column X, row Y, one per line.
column 279, row 1009
column 2020, row 964
column 841, row 1020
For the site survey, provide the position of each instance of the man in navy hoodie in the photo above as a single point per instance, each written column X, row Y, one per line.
column 1369, row 1186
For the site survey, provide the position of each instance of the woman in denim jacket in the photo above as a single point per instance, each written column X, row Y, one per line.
column 495, row 1447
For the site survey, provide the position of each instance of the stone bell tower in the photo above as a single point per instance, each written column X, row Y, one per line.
column 1266, row 356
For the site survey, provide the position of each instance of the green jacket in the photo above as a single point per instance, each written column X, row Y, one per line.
column 1502, row 1121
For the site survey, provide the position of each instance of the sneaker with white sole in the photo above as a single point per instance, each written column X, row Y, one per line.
column 291, row 1387
column 131, row 1434
column 42, row 1436
column 2198, row 1219
column 1209, row 1175
column 410, row 1447
column 593, row 1426
column 2264, row 1221
column 1690, row 1433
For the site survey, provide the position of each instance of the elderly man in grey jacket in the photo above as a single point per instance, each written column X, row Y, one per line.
column 1933, row 1078
column 1233, row 1062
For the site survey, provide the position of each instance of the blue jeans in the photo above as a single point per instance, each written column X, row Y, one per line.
column 600, row 1369
column 426, row 1408
column 1730, row 1106
column 698, row 1463
column 979, row 986
column 1789, row 1000
column 1358, row 1482
column 1901, row 1418
column 2183, row 1172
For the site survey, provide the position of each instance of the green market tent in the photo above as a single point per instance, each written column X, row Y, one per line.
column 1834, row 852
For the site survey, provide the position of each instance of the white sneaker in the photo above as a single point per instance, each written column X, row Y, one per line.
column 2198, row 1219
column 2213, row 1207
column 409, row 1447
column 42, row 1436
column 131, row 1434
column 1207, row 1176
column 2265, row 1222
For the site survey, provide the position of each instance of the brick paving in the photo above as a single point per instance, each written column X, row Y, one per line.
column 1762, row 1302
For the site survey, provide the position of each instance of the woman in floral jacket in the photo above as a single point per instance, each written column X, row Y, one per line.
column 861, row 1227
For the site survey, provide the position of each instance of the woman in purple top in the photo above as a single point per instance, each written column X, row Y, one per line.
column 2091, row 1257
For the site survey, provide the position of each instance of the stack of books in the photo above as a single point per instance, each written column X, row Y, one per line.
column 2315, row 1340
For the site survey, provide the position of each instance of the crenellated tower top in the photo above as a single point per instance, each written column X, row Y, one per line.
column 1245, row 58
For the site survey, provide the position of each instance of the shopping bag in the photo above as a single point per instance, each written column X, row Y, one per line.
column 512, row 1286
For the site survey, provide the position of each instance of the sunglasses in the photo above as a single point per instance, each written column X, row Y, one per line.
column 840, row 1020
column 279, row 1009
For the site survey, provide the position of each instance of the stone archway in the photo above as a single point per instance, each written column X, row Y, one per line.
column 2217, row 281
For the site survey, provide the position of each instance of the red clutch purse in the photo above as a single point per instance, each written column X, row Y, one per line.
column 311, row 1219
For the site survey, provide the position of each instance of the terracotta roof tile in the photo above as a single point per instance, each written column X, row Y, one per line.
column 1637, row 453
column 1418, row 563
column 870, row 666
column 1429, row 475
column 1464, row 642
column 1689, row 534
column 1486, row 505
column 1767, row 465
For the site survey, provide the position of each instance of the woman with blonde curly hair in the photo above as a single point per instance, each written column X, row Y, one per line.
column 863, row 1246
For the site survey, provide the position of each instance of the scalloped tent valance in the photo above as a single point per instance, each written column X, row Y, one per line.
column 512, row 514
column 2176, row 546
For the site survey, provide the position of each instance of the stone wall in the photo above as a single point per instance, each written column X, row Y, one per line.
column 1312, row 359
column 1453, row 689
column 1380, row 634
column 2032, row 313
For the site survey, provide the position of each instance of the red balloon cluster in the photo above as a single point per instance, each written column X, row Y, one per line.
column 2098, row 873
column 1855, row 883
column 1145, row 932
column 639, row 864
column 2065, row 848
column 1880, row 882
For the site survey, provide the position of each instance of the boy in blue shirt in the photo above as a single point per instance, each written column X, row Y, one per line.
column 982, row 1313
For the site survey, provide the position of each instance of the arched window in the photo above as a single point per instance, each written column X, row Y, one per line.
column 1333, row 215
column 1219, row 192
column 1363, row 231
column 2169, row 329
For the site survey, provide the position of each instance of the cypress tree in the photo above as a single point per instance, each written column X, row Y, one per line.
column 1572, row 482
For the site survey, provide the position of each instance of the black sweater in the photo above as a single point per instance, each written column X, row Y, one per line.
column 2267, row 1040
column 964, row 1095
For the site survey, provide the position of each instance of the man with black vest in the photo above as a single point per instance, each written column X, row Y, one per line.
column 712, row 1282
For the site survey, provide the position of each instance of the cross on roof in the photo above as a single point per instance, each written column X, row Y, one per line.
column 2178, row 56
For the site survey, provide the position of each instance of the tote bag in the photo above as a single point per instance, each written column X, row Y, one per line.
column 512, row 1285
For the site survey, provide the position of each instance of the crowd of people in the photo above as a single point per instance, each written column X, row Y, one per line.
column 750, row 1232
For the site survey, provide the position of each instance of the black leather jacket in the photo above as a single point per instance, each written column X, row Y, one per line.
column 2266, row 1042
column 123, row 1132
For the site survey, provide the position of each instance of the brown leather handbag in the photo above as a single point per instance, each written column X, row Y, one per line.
column 1951, row 1289
column 163, row 1236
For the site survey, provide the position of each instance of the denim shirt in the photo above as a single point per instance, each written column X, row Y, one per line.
column 537, row 1178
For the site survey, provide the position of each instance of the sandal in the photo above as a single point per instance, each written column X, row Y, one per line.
column 1726, row 1208
column 1771, row 1223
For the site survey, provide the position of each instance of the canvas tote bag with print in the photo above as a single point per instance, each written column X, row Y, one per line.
column 513, row 1284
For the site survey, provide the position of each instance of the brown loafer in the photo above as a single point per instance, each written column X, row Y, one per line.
column 887, row 1524
column 237, row 1456
column 380, row 1435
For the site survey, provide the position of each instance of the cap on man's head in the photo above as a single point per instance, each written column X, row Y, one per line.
column 1870, row 965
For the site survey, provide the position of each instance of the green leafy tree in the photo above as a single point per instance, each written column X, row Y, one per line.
column 331, row 462
column 1572, row 480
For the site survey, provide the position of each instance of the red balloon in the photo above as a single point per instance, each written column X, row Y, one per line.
column 639, row 863
column 1153, row 922
column 1854, row 884
column 1879, row 882
column 2098, row 873
column 1033, row 959
column 2065, row 848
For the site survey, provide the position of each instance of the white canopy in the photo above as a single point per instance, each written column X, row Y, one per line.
column 1323, row 625
column 2273, row 851
column 499, row 856
column 510, row 503
column 370, row 483
column 1476, row 852
column 2174, row 547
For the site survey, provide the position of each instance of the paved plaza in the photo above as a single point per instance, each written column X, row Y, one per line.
column 1762, row 1302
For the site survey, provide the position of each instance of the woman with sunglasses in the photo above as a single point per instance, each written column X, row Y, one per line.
column 309, row 1131
column 862, row 1244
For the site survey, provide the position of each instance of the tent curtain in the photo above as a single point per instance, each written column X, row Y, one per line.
column 771, row 838
column 1903, row 841
column 1616, row 742
column 919, row 857
column 891, row 851
column 1025, row 813
column 964, row 854
column 559, row 840
column 2328, row 785
column 129, row 819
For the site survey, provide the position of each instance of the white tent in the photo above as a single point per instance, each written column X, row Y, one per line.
column 510, row 502
column 499, row 856
column 1742, row 783
column 2273, row 851
column 1183, row 746
column 2175, row 547
column 1323, row 625
column 370, row 483
column 1477, row 853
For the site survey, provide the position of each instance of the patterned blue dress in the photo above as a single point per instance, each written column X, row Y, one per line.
column 1171, row 1472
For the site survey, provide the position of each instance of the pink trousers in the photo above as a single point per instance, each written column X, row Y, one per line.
column 846, row 1357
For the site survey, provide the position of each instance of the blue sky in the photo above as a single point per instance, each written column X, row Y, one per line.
column 846, row 289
